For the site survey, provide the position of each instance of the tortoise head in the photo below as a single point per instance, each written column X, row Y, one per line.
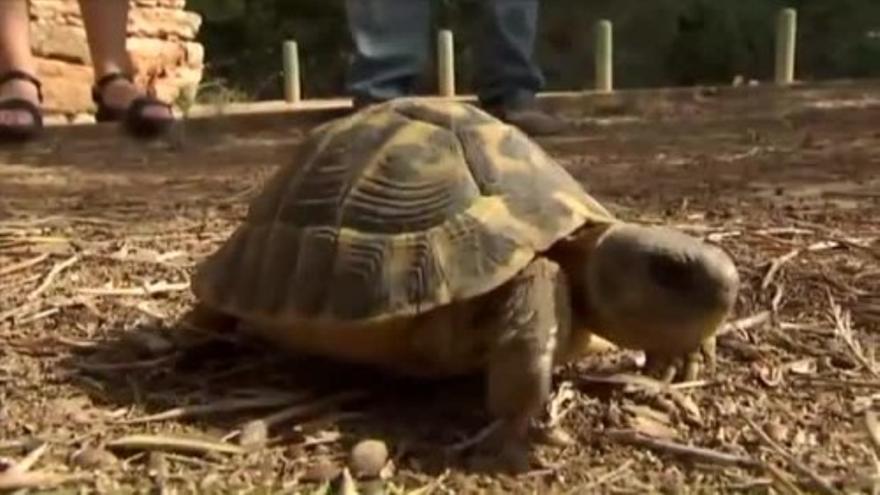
column 655, row 288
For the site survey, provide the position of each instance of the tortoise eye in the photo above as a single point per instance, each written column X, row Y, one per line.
column 670, row 272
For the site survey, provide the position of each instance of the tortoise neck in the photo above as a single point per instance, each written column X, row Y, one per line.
column 573, row 254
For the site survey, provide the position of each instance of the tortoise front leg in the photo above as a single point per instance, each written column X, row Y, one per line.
column 686, row 366
column 534, row 316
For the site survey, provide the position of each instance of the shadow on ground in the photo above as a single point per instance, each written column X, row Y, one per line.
column 429, row 424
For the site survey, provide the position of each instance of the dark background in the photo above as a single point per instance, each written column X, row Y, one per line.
column 656, row 42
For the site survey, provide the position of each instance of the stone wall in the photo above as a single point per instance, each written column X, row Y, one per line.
column 162, row 36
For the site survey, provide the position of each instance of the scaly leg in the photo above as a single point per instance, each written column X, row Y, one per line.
column 534, row 316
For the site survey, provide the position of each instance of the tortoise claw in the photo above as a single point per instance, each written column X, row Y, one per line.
column 555, row 436
column 686, row 367
column 506, row 450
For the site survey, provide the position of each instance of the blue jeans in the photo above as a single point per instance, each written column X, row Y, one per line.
column 392, row 45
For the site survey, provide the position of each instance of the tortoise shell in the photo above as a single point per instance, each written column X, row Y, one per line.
column 392, row 211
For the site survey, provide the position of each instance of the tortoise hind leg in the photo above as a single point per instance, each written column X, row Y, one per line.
column 534, row 313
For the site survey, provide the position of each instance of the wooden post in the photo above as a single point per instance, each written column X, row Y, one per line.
column 604, row 57
column 445, row 63
column 292, row 91
column 786, row 31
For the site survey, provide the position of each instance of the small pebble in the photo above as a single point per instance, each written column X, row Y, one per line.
column 367, row 458
column 93, row 458
column 253, row 434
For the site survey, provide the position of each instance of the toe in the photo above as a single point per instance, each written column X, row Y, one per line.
column 691, row 370
column 710, row 358
column 661, row 367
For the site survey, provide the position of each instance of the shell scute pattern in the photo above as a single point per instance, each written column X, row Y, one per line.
column 314, row 196
column 443, row 114
column 414, row 186
column 395, row 210
column 361, row 263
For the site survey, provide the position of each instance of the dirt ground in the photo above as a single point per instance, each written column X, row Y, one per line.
column 98, row 237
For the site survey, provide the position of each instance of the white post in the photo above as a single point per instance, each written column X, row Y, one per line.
column 786, row 33
column 604, row 57
column 446, row 63
column 292, row 91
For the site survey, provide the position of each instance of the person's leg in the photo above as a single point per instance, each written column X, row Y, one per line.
column 106, row 27
column 391, row 46
column 19, row 96
column 509, row 77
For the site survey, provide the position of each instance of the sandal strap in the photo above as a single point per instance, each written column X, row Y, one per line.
column 100, row 84
column 20, row 75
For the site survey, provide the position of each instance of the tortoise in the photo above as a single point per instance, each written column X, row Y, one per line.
column 431, row 239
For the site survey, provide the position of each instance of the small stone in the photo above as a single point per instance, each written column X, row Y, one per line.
column 368, row 457
column 254, row 434
column 93, row 458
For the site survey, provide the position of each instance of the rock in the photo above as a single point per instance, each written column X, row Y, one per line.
column 254, row 434
column 367, row 458
column 93, row 458
column 162, row 43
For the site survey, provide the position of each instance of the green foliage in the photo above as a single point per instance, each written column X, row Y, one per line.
column 656, row 43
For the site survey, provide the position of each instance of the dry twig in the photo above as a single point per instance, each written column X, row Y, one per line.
column 821, row 484
column 781, row 480
column 746, row 323
column 873, row 427
column 19, row 476
column 605, row 478
column 176, row 444
column 698, row 453
column 22, row 265
column 481, row 435
column 255, row 433
column 54, row 272
column 775, row 265
column 843, row 328
column 226, row 405
column 430, row 487
column 146, row 290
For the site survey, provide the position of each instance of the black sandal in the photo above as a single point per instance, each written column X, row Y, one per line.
column 132, row 117
column 27, row 131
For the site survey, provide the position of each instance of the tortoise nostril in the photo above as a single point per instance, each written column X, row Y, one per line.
column 670, row 272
